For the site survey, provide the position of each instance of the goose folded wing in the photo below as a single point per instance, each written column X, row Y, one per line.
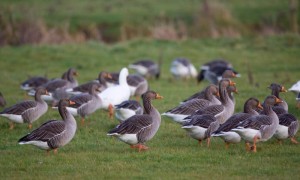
column 19, row 108
column 80, row 99
column 201, row 120
column 256, row 122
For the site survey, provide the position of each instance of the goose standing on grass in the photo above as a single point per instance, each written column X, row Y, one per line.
column 276, row 89
column 146, row 68
column 182, row 68
column 221, row 112
column 296, row 89
column 288, row 127
column 225, row 130
column 203, row 94
column 86, row 103
column 27, row 111
column 33, row 82
column 85, row 88
column 53, row 134
column 187, row 108
column 2, row 100
column 127, row 109
column 213, row 71
column 116, row 94
column 260, row 127
column 138, row 129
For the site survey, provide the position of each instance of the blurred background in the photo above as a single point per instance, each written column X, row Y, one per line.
column 66, row 21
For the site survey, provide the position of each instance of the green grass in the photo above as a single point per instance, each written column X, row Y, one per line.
column 172, row 154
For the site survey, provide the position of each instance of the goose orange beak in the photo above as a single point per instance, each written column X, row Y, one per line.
column 278, row 101
column 259, row 106
column 218, row 94
column 231, row 83
column 283, row 89
column 158, row 96
column 233, row 75
column 72, row 102
column 236, row 91
column 107, row 75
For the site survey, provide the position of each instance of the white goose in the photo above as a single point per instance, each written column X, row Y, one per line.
column 116, row 94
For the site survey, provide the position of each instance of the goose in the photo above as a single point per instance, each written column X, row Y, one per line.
column 213, row 71
column 27, row 111
column 57, row 87
column 288, row 127
column 127, row 109
column 276, row 89
column 116, row 94
column 260, row 127
column 2, row 100
column 84, row 88
column 85, row 103
column 225, row 130
column 33, row 82
column 182, row 68
column 200, row 127
column 146, row 68
column 205, row 94
column 185, row 109
column 221, row 112
column 139, row 129
column 53, row 134
column 296, row 89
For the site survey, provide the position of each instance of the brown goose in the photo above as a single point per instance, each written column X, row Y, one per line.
column 221, row 112
column 27, row 111
column 276, row 89
column 189, row 107
column 84, row 88
column 288, row 127
column 225, row 130
column 53, row 134
column 86, row 103
column 127, row 109
column 139, row 128
column 260, row 127
column 33, row 82
column 2, row 100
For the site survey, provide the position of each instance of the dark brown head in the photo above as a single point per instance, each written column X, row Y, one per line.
column 41, row 91
column 272, row 100
column 65, row 103
column 151, row 95
column 254, row 103
column 277, row 87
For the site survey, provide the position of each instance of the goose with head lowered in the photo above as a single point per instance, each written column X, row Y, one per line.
column 27, row 111
column 146, row 68
column 139, row 129
column 116, row 94
column 260, row 127
column 182, row 68
column 53, row 134
column 127, row 109
column 225, row 130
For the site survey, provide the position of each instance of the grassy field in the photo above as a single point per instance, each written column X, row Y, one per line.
column 172, row 154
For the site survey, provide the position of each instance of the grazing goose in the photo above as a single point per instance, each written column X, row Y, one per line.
column 200, row 127
column 138, row 129
column 260, row 127
column 288, row 127
column 53, row 134
column 116, row 94
column 2, row 100
column 33, row 82
column 146, row 68
column 86, row 103
column 84, row 88
column 127, row 109
column 296, row 89
column 225, row 130
column 221, row 112
column 189, row 107
column 183, row 69
column 213, row 71
column 27, row 111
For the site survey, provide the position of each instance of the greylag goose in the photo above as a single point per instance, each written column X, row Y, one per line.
column 213, row 71
column 2, row 100
column 200, row 127
column 225, row 130
column 127, row 109
column 84, row 88
column 296, row 89
column 276, row 89
column 33, row 82
column 86, row 103
column 138, row 129
column 182, row 68
column 116, row 94
column 203, row 94
column 146, row 68
column 288, row 127
column 260, row 127
column 27, row 111
column 53, row 134
column 221, row 112
column 187, row 108
column 57, row 87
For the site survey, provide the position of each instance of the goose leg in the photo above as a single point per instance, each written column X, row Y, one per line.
column 253, row 148
column 142, row 147
column 294, row 141
column 29, row 126
column 110, row 111
column 55, row 151
column 11, row 125
column 82, row 121
column 48, row 152
column 227, row 145
column 247, row 146
column 208, row 142
column 200, row 142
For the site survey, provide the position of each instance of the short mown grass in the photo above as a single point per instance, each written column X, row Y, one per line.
column 172, row 154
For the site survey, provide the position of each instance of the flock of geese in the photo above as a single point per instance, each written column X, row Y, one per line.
column 205, row 114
